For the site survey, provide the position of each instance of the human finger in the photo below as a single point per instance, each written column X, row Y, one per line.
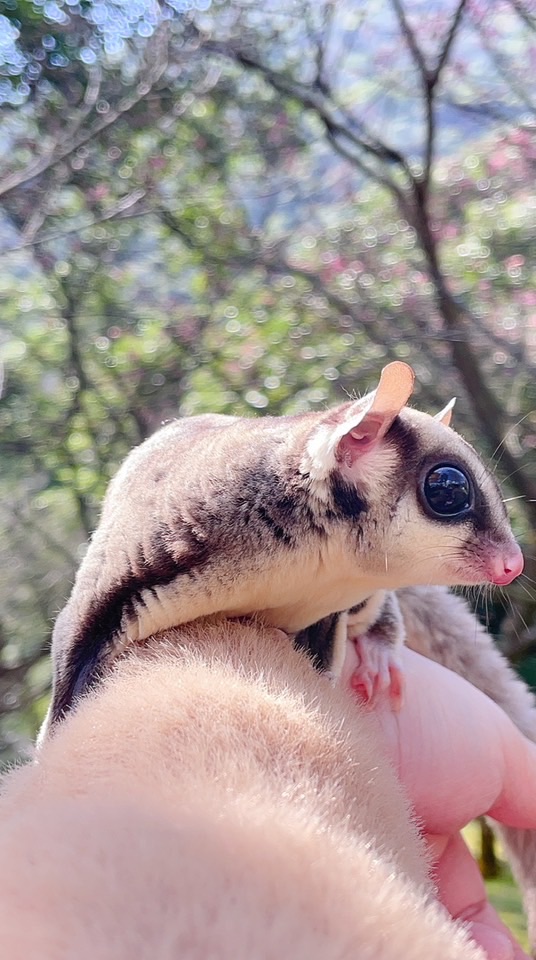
column 461, row 890
column 456, row 752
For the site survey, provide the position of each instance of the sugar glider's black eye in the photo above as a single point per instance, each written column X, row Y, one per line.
column 447, row 491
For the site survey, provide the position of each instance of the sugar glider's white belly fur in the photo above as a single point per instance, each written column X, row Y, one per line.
column 281, row 597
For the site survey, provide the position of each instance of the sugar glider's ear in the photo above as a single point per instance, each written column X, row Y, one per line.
column 357, row 428
column 370, row 418
column 445, row 415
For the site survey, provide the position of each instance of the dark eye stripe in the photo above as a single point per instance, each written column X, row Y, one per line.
column 447, row 491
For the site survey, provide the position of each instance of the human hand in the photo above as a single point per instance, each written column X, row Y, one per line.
column 458, row 756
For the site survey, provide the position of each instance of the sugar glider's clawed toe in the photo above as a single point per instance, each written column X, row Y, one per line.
column 378, row 672
column 376, row 633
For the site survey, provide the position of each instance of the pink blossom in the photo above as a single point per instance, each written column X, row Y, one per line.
column 514, row 262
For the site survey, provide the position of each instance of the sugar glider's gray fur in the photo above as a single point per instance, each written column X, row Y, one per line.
column 440, row 625
column 291, row 518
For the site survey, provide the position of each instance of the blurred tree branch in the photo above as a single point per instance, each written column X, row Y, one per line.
column 76, row 136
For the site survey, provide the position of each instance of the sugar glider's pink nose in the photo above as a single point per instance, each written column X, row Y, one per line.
column 506, row 565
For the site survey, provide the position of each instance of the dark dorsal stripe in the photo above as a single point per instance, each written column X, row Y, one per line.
column 97, row 632
column 318, row 640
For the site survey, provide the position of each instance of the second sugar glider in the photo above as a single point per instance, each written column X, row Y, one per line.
column 291, row 518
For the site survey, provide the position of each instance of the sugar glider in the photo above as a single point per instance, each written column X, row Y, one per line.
column 441, row 626
column 215, row 797
column 293, row 518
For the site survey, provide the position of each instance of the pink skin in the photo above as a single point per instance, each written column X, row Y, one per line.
column 458, row 756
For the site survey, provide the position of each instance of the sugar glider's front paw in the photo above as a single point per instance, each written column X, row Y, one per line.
column 375, row 632
column 378, row 671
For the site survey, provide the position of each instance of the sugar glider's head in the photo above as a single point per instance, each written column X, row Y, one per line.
column 429, row 509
